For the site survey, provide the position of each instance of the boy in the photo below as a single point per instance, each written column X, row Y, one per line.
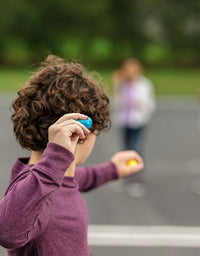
column 42, row 212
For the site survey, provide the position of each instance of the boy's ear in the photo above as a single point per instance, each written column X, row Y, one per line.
column 97, row 133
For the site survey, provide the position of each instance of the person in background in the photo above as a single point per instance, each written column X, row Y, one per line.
column 135, row 100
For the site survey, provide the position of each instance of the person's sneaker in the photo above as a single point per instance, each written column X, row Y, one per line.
column 136, row 190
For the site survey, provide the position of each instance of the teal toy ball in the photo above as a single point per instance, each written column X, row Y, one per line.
column 87, row 122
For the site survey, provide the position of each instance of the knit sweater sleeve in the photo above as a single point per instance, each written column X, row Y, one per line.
column 94, row 176
column 25, row 207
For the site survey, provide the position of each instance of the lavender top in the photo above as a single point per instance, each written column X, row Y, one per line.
column 42, row 212
column 137, row 103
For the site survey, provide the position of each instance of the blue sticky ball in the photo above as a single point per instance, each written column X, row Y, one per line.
column 87, row 122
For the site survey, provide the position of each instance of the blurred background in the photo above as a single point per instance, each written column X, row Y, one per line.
column 101, row 34
column 164, row 35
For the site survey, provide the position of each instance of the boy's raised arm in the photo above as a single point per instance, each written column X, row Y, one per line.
column 24, row 210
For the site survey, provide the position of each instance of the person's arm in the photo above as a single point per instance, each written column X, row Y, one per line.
column 147, row 100
column 25, row 208
column 118, row 80
column 151, row 96
column 93, row 176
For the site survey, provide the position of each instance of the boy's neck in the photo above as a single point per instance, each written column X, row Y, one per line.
column 70, row 172
column 36, row 156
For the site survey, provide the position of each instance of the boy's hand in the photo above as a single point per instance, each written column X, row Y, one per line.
column 66, row 131
column 120, row 160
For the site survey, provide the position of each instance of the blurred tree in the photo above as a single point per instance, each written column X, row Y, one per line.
column 102, row 31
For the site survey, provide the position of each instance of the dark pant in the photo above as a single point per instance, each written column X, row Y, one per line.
column 133, row 139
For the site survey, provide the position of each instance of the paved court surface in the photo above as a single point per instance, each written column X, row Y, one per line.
column 172, row 176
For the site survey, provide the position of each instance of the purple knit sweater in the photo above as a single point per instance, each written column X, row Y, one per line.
column 42, row 212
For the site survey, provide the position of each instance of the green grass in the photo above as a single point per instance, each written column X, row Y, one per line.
column 177, row 82
column 184, row 82
column 12, row 79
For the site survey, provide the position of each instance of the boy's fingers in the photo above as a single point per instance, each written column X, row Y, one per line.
column 139, row 158
column 76, row 129
column 129, row 155
column 135, row 168
column 75, row 142
column 74, row 116
column 73, row 122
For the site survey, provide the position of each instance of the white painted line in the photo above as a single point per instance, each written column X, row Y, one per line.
column 144, row 236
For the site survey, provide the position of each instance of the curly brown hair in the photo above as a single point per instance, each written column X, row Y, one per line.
column 55, row 89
